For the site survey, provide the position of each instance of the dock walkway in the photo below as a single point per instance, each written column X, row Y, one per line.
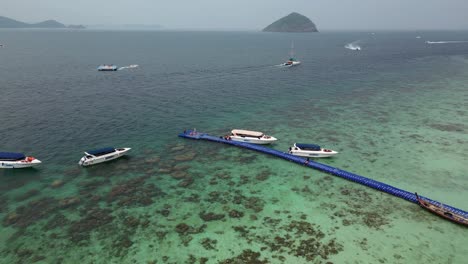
column 322, row 167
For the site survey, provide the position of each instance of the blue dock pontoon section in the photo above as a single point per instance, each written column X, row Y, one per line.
column 322, row 167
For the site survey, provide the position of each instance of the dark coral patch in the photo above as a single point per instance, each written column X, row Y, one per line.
column 94, row 219
column 134, row 192
column 210, row 216
column 246, row 257
column 32, row 212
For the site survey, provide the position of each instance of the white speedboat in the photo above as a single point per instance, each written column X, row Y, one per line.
column 10, row 160
column 102, row 155
column 253, row 137
column 311, row 151
column 107, row 67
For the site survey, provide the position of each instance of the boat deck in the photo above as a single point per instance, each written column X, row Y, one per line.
column 409, row 196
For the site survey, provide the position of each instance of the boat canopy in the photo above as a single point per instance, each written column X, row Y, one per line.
column 11, row 156
column 248, row 133
column 102, row 151
column 308, row 147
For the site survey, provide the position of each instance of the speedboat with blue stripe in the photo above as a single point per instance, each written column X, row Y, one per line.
column 311, row 151
column 96, row 156
column 12, row 160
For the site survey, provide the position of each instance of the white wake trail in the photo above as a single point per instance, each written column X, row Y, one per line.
column 446, row 42
column 133, row 66
column 353, row 45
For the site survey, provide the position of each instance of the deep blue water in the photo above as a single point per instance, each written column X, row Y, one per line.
column 54, row 104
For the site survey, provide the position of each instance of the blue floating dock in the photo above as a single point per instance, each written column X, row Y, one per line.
column 322, row 167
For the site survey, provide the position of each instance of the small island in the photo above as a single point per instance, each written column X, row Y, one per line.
column 6, row 22
column 293, row 22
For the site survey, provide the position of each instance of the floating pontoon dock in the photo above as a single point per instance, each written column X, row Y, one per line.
column 322, row 167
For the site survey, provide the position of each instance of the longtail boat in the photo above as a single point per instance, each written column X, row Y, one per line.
column 441, row 211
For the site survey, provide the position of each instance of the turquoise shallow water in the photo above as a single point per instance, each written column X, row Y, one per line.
column 397, row 112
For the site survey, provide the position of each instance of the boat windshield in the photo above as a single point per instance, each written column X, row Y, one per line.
column 309, row 147
column 100, row 152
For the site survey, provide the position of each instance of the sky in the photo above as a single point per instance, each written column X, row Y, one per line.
column 247, row 14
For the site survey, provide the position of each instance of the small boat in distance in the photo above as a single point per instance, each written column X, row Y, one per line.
column 107, row 67
column 311, row 151
column 292, row 61
column 11, row 160
column 253, row 137
column 441, row 211
column 101, row 155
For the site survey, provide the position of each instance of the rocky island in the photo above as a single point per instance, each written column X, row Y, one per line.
column 293, row 22
column 6, row 22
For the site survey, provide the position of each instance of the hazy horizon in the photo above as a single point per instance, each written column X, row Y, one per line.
column 245, row 15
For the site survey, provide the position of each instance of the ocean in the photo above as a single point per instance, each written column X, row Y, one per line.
column 396, row 110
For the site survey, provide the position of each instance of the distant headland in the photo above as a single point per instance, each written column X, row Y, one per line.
column 6, row 22
column 293, row 22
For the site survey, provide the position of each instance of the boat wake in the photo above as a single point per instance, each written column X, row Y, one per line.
column 447, row 42
column 133, row 66
column 353, row 45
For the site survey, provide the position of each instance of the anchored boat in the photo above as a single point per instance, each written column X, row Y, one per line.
column 253, row 137
column 102, row 155
column 107, row 67
column 311, row 150
column 441, row 211
column 11, row 160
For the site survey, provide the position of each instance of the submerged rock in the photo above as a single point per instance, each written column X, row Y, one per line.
column 96, row 218
column 27, row 195
column 236, row 214
column 210, row 216
column 185, row 157
column 57, row 184
column 32, row 212
column 247, row 256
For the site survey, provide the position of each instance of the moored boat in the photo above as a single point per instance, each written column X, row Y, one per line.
column 11, row 160
column 253, row 137
column 107, row 67
column 441, row 211
column 102, row 155
column 311, row 151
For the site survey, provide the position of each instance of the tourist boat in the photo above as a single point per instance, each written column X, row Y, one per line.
column 248, row 136
column 107, row 67
column 441, row 211
column 292, row 61
column 102, row 155
column 311, row 150
column 10, row 160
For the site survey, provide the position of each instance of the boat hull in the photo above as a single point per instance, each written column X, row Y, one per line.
column 253, row 140
column 313, row 154
column 20, row 164
column 85, row 162
column 442, row 212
